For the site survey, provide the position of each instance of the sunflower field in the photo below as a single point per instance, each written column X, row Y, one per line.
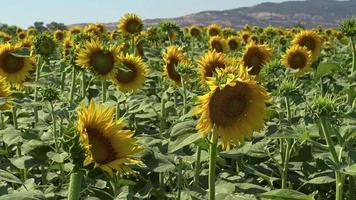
column 170, row 112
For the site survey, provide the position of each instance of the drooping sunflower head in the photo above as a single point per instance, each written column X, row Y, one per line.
column 245, row 36
column 194, row 31
column 309, row 39
column 27, row 42
column 19, row 30
column 298, row 57
column 139, row 42
column 101, row 27
column 45, row 45
column 214, row 30
column 67, row 45
column 234, row 43
column 211, row 61
column 106, row 143
column 130, row 24
column 98, row 58
column 59, row 35
column 14, row 69
column 234, row 107
column 92, row 30
column 218, row 44
column 75, row 30
column 31, row 32
column 130, row 74
column 255, row 57
column 172, row 57
column 5, row 92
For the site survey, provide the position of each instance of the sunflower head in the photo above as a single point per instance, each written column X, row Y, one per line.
column 298, row 57
column 59, row 35
column 172, row 57
column 130, row 74
column 98, row 58
column 5, row 93
column 218, row 44
column 75, row 30
column 19, row 30
column 214, row 30
column 101, row 27
column 234, row 43
column 67, row 46
column 211, row 61
column 106, row 143
column 130, row 24
column 45, row 46
column 310, row 40
column 14, row 69
column 194, row 31
column 4, row 36
column 31, row 32
column 245, row 36
column 348, row 27
column 255, row 57
column 92, row 30
column 234, row 107
column 22, row 35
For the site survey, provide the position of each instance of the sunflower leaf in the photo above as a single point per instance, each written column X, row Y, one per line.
column 21, row 52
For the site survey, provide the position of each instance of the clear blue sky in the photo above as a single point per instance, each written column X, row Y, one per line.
column 24, row 12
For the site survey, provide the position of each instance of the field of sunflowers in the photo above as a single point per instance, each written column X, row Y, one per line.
column 169, row 112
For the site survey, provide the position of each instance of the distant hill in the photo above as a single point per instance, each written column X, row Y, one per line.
column 309, row 13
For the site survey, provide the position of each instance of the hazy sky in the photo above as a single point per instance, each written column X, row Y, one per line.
column 25, row 12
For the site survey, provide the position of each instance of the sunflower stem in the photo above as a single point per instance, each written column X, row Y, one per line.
column 352, row 187
column 180, row 168
column 104, row 90
column 84, row 84
column 75, row 185
column 353, row 54
column 56, row 144
column 72, row 88
column 163, row 114
column 133, row 49
column 43, row 175
column 197, row 167
column 38, row 73
column 14, row 117
column 184, row 96
column 339, row 177
column 63, row 76
column 286, row 148
column 212, row 164
column 2, row 125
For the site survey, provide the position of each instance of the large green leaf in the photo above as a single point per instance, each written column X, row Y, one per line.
column 8, row 177
column 21, row 52
column 326, row 68
column 286, row 194
column 183, row 141
column 350, row 170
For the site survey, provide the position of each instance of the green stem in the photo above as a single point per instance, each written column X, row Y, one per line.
column 38, row 73
column 133, row 46
column 104, row 90
column 14, row 117
column 56, row 143
column 180, row 178
column 117, row 116
column 339, row 177
column 2, row 125
column 352, row 188
column 353, row 55
column 285, row 148
column 163, row 114
column 43, row 175
column 63, row 76
column 197, row 167
column 212, row 164
column 72, row 88
column 184, row 96
column 84, row 84
column 75, row 185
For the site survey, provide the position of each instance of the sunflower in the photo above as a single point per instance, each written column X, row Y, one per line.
column 209, row 62
column 172, row 57
column 31, row 32
column 245, row 36
column 45, row 45
column 106, row 143
column 67, row 45
column 14, row 69
column 298, row 57
column 19, row 30
column 92, row 29
column 97, row 58
column 75, row 30
column 101, row 27
column 4, row 36
column 255, row 57
column 5, row 92
column 130, row 24
column 218, row 44
column 214, row 30
column 234, row 107
column 234, row 43
column 22, row 35
column 194, row 31
column 131, row 73
column 309, row 39
column 27, row 42
column 59, row 35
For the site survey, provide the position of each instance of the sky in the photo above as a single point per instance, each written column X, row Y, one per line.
column 24, row 12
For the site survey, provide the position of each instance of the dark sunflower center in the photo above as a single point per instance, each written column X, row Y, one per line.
column 171, row 69
column 228, row 105
column 12, row 64
column 59, row 36
column 132, row 26
column 46, row 47
column 254, row 59
column 210, row 68
column 213, row 32
column 233, row 45
column 102, row 62
column 22, row 35
column 307, row 42
column 127, row 73
column 217, row 46
column 297, row 60
column 101, row 148
column 194, row 32
column 245, row 38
